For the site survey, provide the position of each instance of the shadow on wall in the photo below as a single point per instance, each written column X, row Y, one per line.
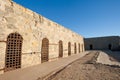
column 114, row 55
column 109, row 47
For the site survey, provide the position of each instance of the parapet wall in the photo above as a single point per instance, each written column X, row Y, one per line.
column 33, row 28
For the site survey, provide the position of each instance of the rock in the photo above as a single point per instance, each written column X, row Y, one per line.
column 10, row 20
column 11, row 26
column 9, row 9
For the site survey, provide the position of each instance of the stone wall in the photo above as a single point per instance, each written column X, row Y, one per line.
column 103, row 43
column 33, row 28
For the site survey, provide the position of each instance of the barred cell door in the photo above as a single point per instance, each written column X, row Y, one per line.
column 75, row 49
column 69, row 48
column 13, row 52
column 60, row 49
column 45, row 50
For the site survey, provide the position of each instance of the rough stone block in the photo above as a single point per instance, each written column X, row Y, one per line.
column 9, row 9
column 11, row 26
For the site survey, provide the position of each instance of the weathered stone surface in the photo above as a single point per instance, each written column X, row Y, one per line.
column 9, row 9
column 10, row 20
column 2, row 55
column 11, row 26
column 103, row 43
column 33, row 28
column 1, row 13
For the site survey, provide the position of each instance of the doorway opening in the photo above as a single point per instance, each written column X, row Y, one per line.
column 75, row 49
column 79, row 47
column 60, row 49
column 91, row 47
column 13, row 52
column 45, row 50
column 69, row 48
column 109, row 46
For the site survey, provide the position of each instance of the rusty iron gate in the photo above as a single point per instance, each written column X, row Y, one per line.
column 60, row 49
column 45, row 50
column 13, row 52
column 69, row 48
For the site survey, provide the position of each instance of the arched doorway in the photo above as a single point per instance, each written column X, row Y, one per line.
column 45, row 50
column 91, row 46
column 69, row 48
column 79, row 47
column 60, row 49
column 13, row 52
column 75, row 49
column 82, row 48
column 109, row 46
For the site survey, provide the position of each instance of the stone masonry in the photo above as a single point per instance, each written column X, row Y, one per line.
column 33, row 28
column 103, row 43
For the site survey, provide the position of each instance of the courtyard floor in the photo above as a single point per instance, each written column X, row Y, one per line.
column 42, row 70
column 90, row 65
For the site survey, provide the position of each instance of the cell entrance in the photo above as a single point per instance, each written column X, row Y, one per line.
column 69, row 48
column 91, row 47
column 82, row 47
column 109, row 46
column 60, row 49
column 45, row 50
column 13, row 52
column 79, row 47
column 75, row 49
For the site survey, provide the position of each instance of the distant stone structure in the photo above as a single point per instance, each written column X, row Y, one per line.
column 102, row 43
column 27, row 38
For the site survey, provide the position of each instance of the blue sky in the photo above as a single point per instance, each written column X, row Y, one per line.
column 89, row 18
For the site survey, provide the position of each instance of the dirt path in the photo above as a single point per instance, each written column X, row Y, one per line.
column 86, row 68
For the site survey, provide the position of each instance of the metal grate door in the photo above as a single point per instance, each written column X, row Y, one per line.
column 13, row 52
column 45, row 50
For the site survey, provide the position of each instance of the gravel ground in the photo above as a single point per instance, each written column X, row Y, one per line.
column 86, row 68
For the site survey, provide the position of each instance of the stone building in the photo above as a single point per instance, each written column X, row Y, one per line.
column 102, row 43
column 27, row 38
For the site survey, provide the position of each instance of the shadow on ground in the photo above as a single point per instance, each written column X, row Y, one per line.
column 114, row 55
